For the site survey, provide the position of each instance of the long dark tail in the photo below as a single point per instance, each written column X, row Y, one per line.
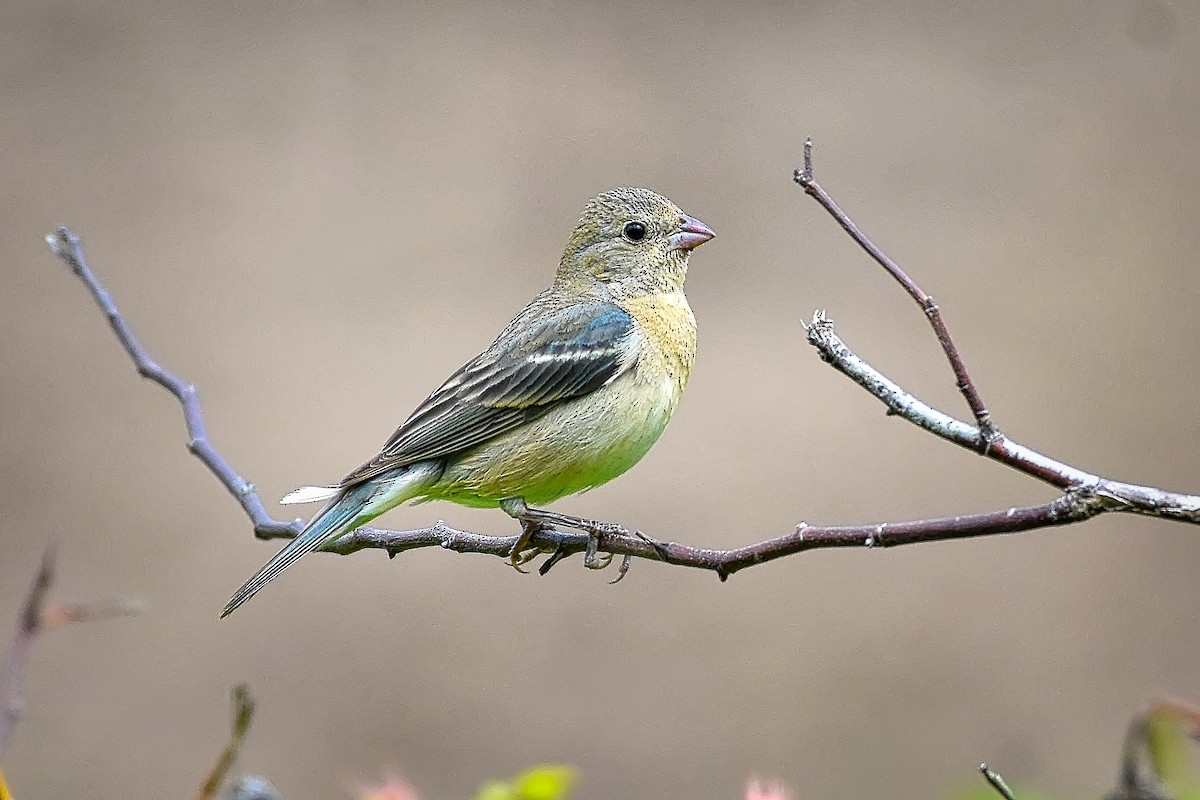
column 348, row 509
column 326, row 525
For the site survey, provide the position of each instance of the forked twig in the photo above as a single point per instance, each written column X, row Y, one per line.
column 35, row 618
column 807, row 180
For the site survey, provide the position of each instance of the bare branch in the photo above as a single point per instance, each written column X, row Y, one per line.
column 1112, row 495
column 36, row 618
column 984, row 437
column 805, row 177
column 66, row 246
column 1071, row 507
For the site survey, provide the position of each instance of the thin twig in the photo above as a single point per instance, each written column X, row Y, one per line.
column 18, row 654
column 1113, row 495
column 66, row 246
column 807, row 180
column 997, row 782
column 36, row 618
column 1083, row 495
column 243, row 715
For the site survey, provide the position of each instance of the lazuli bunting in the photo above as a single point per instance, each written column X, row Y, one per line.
column 572, row 393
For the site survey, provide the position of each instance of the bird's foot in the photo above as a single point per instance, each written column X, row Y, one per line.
column 596, row 531
column 534, row 520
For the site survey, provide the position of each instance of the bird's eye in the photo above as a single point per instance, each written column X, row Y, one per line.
column 634, row 231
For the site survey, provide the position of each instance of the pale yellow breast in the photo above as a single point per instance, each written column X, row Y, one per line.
column 669, row 326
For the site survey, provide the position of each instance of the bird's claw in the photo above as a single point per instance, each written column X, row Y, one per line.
column 599, row 563
column 589, row 555
column 626, row 561
column 534, row 520
column 521, row 552
column 518, row 560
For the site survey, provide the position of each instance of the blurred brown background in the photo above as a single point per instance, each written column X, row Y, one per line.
column 315, row 213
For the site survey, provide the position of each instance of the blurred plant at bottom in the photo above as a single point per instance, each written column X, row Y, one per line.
column 543, row 782
column 1157, row 761
column 756, row 790
column 394, row 788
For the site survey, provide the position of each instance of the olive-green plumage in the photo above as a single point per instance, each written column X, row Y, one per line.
column 572, row 393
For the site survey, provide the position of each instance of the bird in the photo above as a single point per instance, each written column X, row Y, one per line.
column 571, row 394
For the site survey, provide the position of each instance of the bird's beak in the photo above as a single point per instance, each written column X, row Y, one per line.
column 690, row 234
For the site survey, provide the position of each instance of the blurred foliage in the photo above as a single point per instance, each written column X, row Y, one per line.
column 252, row 787
column 1170, row 731
column 1157, row 762
column 242, row 714
column 544, row 782
column 756, row 790
column 394, row 788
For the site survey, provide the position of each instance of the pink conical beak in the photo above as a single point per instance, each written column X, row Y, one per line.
column 690, row 234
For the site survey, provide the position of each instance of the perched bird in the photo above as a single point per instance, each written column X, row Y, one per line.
column 572, row 393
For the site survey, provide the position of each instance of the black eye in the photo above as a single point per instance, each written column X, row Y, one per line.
column 634, row 231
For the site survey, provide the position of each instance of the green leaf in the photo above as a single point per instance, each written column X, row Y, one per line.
column 543, row 782
column 1167, row 747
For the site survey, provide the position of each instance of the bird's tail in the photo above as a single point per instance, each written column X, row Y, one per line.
column 348, row 509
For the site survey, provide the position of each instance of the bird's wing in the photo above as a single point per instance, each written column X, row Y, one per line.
column 567, row 354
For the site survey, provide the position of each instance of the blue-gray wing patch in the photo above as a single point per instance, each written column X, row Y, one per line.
column 518, row 379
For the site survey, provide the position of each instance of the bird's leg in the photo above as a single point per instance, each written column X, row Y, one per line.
column 515, row 507
column 596, row 529
column 534, row 519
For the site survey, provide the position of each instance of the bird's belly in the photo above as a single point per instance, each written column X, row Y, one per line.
column 575, row 447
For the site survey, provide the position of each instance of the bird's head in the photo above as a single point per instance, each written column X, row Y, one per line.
column 631, row 242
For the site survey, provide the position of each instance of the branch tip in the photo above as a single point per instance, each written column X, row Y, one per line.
column 804, row 175
column 996, row 782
